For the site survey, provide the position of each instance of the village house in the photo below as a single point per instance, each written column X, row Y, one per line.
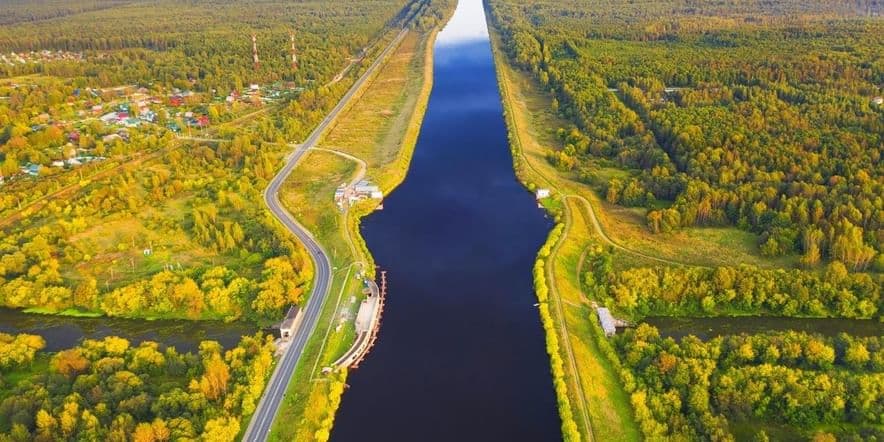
column 109, row 118
column 31, row 169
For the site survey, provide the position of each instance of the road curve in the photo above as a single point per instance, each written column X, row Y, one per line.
column 262, row 420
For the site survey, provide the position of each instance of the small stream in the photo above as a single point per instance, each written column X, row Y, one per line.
column 708, row 328
column 62, row 332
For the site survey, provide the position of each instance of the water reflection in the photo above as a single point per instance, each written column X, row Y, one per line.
column 461, row 352
column 62, row 332
column 467, row 25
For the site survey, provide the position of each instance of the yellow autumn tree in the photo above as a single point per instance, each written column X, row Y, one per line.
column 222, row 429
column 213, row 383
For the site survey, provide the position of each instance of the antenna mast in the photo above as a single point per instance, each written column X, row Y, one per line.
column 255, row 51
column 294, row 53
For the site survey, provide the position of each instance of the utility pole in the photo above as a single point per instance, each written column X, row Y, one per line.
column 294, row 53
column 255, row 51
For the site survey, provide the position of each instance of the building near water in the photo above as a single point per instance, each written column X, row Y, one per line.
column 609, row 324
column 290, row 323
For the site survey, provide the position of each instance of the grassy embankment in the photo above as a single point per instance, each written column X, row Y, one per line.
column 379, row 127
column 592, row 404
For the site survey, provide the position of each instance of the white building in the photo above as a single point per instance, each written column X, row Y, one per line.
column 109, row 118
column 609, row 324
column 542, row 193
column 365, row 188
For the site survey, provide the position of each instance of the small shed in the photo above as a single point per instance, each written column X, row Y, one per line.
column 609, row 324
column 290, row 323
column 542, row 193
column 365, row 188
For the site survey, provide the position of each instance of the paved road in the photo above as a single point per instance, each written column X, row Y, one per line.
column 262, row 419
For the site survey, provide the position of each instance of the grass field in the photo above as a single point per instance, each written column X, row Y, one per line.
column 380, row 127
column 376, row 127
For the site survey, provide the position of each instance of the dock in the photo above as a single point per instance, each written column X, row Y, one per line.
column 368, row 321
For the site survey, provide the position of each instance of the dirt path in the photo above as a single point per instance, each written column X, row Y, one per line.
column 360, row 174
column 590, row 210
column 563, row 329
column 363, row 166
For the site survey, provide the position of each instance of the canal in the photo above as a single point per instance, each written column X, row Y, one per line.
column 461, row 351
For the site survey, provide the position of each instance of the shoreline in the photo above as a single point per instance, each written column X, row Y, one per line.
column 578, row 410
column 320, row 405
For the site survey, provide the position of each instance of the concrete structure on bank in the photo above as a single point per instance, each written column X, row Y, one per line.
column 288, row 325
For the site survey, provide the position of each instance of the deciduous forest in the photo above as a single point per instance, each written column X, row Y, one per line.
column 108, row 389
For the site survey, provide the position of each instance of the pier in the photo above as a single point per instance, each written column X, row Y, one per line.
column 368, row 321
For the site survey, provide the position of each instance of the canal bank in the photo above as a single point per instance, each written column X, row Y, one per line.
column 461, row 351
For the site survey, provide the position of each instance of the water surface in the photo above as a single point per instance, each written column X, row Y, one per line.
column 707, row 328
column 461, row 353
column 63, row 332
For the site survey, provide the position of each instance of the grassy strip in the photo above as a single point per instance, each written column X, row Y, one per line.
column 71, row 312
column 590, row 380
column 570, row 430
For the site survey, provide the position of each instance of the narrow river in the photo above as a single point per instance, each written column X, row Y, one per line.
column 461, row 352
column 63, row 332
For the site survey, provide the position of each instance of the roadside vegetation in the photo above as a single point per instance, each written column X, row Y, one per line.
column 654, row 193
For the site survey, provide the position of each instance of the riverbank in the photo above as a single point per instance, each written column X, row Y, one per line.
column 592, row 404
column 398, row 94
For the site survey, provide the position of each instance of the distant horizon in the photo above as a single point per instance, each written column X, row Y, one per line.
column 466, row 25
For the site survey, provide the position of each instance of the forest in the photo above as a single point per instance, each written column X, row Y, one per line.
column 703, row 390
column 762, row 115
column 110, row 390
column 202, row 45
column 721, row 291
